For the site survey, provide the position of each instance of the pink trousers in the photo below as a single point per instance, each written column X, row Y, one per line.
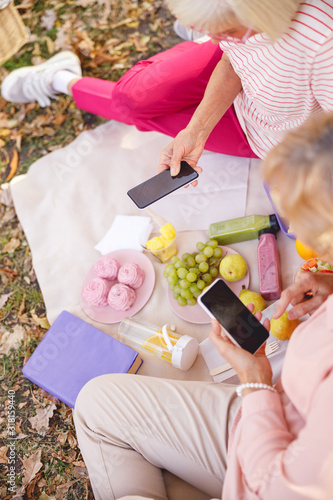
column 162, row 94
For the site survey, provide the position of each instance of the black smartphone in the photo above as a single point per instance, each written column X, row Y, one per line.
column 161, row 185
column 242, row 327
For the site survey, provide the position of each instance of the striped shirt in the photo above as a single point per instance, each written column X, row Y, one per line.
column 286, row 82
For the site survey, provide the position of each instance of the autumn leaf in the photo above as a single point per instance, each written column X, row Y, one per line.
column 13, row 166
column 26, row 4
column 62, row 489
column 11, row 246
column 3, row 454
column 12, row 340
column 49, row 19
column 44, row 496
column 59, row 119
column 31, row 466
column 4, row 298
column 43, row 322
column 41, row 420
column 8, row 123
column 62, row 42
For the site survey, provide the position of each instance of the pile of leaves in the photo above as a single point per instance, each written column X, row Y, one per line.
column 109, row 36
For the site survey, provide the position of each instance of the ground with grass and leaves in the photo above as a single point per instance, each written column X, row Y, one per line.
column 109, row 36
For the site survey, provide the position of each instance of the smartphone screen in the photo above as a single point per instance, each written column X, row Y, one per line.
column 161, row 185
column 243, row 328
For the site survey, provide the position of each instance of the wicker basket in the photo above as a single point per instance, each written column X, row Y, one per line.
column 13, row 33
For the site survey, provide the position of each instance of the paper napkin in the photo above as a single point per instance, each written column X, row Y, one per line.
column 127, row 231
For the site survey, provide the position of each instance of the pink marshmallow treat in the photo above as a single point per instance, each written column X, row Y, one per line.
column 131, row 274
column 121, row 297
column 96, row 292
column 107, row 268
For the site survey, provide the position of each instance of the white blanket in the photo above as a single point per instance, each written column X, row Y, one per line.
column 69, row 198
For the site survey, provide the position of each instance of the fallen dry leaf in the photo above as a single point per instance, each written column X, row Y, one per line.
column 43, row 415
column 13, row 166
column 44, row 496
column 3, row 454
column 8, row 123
column 4, row 132
column 6, row 195
column 31, row 466
column 49, row 19
column 8, row 272
column 4, row 298
column 71, row 440
column 62, row 437
column 59, row 119
column 63, row 488
column 81, row 472
column 26, row 4
column 11, row 246
column 43, row 322
column 12, row 340
column 62, row 42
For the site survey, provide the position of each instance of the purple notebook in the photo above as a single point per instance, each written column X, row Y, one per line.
column 72, row 353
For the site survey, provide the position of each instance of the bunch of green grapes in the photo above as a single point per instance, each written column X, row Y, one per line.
column 188, row 276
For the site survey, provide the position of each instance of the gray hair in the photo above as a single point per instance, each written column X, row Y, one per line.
column 268, row 16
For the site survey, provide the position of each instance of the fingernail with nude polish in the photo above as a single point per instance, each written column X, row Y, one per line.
column 291, row 315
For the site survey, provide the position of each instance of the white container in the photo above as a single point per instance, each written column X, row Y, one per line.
column 179, row 350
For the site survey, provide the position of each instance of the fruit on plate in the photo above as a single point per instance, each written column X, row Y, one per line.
column 283, row 327
column 304, row 251
column 317, row 266
column 233, row 267
column 249, row 297
column 161, row 246
column 188, row 276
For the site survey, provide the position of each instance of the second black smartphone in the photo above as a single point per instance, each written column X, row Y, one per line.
column 161, row 185
column 241, row 326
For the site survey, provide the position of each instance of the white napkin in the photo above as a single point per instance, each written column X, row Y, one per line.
column 127, row 231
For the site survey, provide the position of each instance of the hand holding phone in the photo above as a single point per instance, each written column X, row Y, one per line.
column 161, row 185
column 241, row 326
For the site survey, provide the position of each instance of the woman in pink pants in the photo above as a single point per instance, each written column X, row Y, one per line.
column 162, row 94
column 270, row 72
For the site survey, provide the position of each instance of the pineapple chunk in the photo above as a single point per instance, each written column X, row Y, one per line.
column 168, row 231
column 155, row 244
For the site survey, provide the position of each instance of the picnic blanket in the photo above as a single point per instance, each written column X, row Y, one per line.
column 69, row 198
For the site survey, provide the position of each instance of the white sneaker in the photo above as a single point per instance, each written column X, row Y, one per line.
column 34, row 83
column 187, row 34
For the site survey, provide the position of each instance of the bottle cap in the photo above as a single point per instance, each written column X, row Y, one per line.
column 274, row 223
column 267, row 230
column 185, row 352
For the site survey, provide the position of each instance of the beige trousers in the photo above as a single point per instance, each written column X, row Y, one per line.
column 130, row 427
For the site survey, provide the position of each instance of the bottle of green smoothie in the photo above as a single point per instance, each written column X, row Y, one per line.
column 242, row 228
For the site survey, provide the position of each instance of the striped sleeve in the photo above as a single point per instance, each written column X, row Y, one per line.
column 322, row 75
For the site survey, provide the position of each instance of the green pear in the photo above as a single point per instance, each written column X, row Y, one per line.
column 233, row 267
column 283, row 327
column 249, row 297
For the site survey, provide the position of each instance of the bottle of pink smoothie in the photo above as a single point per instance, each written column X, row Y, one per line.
column 269, row 265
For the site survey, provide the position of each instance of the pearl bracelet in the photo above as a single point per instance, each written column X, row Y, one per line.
column 253, row 385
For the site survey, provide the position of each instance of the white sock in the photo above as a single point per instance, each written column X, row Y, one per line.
column 61, row 80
